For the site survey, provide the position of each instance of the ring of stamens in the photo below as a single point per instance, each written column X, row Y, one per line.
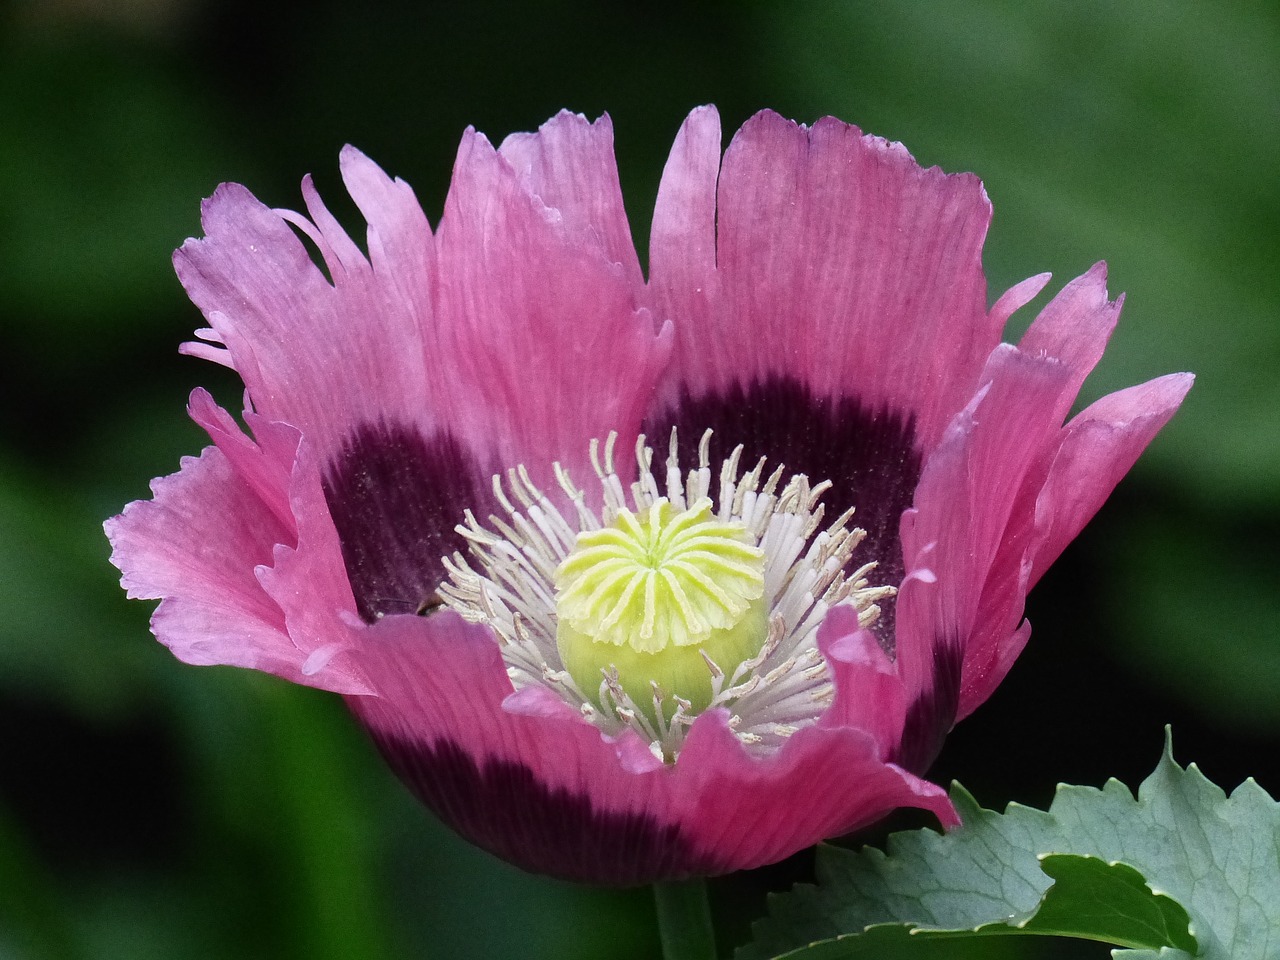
column 510, row 583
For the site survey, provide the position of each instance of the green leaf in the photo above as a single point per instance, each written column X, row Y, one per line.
column 1089, row 899
column 1181, row 844
column 1111, row 902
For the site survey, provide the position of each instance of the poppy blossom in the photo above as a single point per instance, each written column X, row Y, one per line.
column 635, row 579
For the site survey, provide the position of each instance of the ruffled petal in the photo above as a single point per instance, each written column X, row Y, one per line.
column 194, row 547
column 1074, row 328
column 320, row 353
column 263, row 462
column 968, row 529
column 745, row 808
column 870, row 696
column 839, row 263
column 548, row 337
column 1101, row 444
column 569, row 165
column 543, row 789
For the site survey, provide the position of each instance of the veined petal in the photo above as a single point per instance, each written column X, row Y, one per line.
column 568, row 165
column 839, row 262
column 1100, row 446
column 970, row 526
column 317, row 352
column 1074, row 328
column 197, row 546
column 683, row 281
column 549, row 341
column 585, row 812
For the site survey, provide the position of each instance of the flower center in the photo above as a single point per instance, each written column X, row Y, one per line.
column 683, row 592
column 650, row 594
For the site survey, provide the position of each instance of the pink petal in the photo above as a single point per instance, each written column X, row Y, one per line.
column 316, row 355
column 1017, row 297
column 195, row 546
column 1074, row 328
column 1101, row 445
column 840, row 263
column 309, row 583
column 401, row 248
column 870, row 695
column 575, row 807
column 548, row 338
column 216, row 540
column 568, row 165
column 263, row 463
column 969, row 527
column 746, row 808
column 682, row 241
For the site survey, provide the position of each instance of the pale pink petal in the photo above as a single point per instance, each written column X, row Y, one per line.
column 1017, row 297
column 401, row 248
column 1101, row 444
column 683, row 281
column 309, row 583
column 264, row 462
column 970, row 527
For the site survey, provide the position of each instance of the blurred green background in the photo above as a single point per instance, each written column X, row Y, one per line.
column 153, row 810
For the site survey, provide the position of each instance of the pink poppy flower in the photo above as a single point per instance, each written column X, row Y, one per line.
column 508, row 497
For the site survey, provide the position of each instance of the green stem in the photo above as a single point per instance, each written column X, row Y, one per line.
column 684, row 920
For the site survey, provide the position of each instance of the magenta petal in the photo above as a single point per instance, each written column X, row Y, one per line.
column 263, row 463
column 1074, row 328
column 1017, row 297
column 747, row 808
column 870, row 695
column 971, row 500
column 1102, row 443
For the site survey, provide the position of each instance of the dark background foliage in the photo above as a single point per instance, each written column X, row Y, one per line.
column 153, row 810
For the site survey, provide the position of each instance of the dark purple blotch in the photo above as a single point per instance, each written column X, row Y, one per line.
column 396, row 496
column 502, row 807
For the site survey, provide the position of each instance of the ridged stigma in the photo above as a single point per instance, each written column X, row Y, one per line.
column 648, row 594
